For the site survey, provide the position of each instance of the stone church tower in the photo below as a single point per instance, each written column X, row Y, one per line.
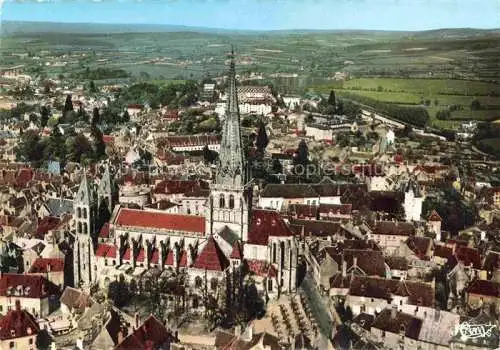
column 85, row 211
column 230, row 198
column 106, row 191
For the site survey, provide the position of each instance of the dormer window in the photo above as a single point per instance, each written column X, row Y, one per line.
column 402, row 329
column 258, row 221
column 12, row 333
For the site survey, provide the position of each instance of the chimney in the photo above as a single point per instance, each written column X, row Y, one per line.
column 136, row 320
column 49, row 268
column 344, row 268
column 18, row 305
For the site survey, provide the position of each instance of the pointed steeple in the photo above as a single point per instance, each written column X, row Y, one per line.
column 231, row 170
column 105, row 183
column 84, row 194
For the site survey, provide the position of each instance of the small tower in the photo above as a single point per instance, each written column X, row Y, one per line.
column 413, row 201
column 106, row 192
column 85, row 208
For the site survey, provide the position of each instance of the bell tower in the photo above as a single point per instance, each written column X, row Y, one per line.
column 85, row 210
column 230, row 197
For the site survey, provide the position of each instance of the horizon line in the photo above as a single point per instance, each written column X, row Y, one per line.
column 257, row 30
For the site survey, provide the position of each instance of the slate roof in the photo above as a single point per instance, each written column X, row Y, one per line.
column 57, row 207
column 418, row 293
column 407, row 324
column 468, row 256
column 393, row 228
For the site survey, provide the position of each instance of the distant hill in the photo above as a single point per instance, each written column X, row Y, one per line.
column 8, row 28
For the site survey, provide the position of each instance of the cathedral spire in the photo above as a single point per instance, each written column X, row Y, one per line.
column 231, row 170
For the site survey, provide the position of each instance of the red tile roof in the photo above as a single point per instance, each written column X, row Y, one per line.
column 141, row 255
column 45, row 225
column 106, row 251
column 468, row 256
column 484, row 287
column 237, row 252
column 23, row 177
column 267, row 223
column 211, row 257
column 108, row 139
column 160, row 220
column 34, row 286
column 155, row 256
column 435, row 216
column 261, row 268
column 443, row 251
column 127, row 254
column 45, row 265
column 17, row 324
column 170, row 258
column 183, row 259
column 151, row 335
column 104, row 233
column 176, row 186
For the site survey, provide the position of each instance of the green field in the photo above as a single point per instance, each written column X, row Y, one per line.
column 441, row 93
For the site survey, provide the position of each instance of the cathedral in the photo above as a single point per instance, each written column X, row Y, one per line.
column 229, row 234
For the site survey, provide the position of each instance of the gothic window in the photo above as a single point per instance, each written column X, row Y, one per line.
column 274, row 253
column 222, row 201
column 198, row 282
column 213, row 283
column 231, row 201
column 85, row 228
column 84, row 213
column 79, row 228
column 270, row 285
column 79, row 212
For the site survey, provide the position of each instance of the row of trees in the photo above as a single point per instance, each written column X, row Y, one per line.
column 182, row 94
column 417, row 116
column 75, row 148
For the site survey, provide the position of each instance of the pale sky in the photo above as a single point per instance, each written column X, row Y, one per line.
column 265, row 14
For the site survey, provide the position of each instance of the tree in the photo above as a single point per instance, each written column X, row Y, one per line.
column 99, row 145
column 68, row 104
column 475, row 105
column 277, row 167
column 302, row 153
column 54, row 149
column 79, row 149
column 30, row 148
column 95, row 116
column 208, row 155
column 118, row 292
column 331, row 99
column 262, row 140
column 92, row 87
column 43, row 340
column 44, row 116
column 125, row 117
